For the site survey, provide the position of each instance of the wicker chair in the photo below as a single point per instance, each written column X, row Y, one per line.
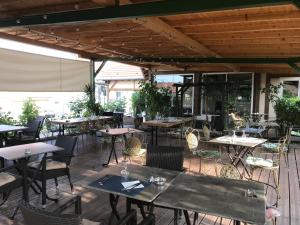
column 30, row 135
column 35, row 216
column 166, row 157
column 56, row 165
column 8, row 182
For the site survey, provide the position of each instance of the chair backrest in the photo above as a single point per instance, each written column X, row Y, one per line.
column 165, row 157
column 192, row 138
column 68, row 144
column 35, row 126
column 108, row 113
column 229, row 171
column 132, row 146
column 34, row 216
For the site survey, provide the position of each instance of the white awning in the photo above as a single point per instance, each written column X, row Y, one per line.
column 21, row 71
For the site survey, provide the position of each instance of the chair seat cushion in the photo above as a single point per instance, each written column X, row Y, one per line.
column 295, row 133
column 273, row 147
column 89, row 222
column 6, row 178
column 51, row 165
column 260, row 162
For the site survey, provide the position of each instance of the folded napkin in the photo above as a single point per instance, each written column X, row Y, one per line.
column 129, row 184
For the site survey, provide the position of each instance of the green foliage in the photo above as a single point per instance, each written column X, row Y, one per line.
column 29, row 111
column 5, row 118
column 288, row 111
column 115, row 105
column 85, row 106
column 137, row 103
column 156, row 100
column 272, row 93
column 77, row 107
column 92, row 108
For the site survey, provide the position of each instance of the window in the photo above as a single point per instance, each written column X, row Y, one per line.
column 290, row 88
column 118, row 95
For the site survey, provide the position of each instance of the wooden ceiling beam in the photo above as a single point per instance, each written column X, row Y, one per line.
column 147, row 9
column 157, row 25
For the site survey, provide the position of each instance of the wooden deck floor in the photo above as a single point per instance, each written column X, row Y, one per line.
column 90, row 157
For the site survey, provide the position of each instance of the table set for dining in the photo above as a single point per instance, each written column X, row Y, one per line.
column 21, row 154
column 180, row 191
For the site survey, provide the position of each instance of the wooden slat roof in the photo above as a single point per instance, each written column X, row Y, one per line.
column 271, row 31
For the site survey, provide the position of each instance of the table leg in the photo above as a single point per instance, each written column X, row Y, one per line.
column 236, row 222
column 25, row 182
column 112, row 151
column 156, row 135
column 152, row 131
column 113, row 200
column 186, row 216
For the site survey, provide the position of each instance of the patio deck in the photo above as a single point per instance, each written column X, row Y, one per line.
column 96, row 205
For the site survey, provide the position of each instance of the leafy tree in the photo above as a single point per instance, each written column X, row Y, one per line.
column 29, row 111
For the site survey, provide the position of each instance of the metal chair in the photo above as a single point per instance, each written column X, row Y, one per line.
column 133, row 148
column 54, row 166
column 35, row 216
column 192, row 138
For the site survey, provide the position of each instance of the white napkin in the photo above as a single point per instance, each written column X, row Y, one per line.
column 128, row 184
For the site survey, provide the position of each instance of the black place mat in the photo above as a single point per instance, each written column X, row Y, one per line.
column 113, row 183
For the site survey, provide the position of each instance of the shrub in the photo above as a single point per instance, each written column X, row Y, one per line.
column 29, row 111
column 118, row 105
column 5, row 118
column 137, row 103
column 288, row 111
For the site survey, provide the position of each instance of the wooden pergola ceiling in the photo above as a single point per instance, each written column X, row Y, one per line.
column 256, row 32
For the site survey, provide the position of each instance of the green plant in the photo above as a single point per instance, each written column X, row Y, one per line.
column 137, row 103
column 118, row 105
column 157, row 100
column 287, row 111
column 272, row 93
column 92, row 108
column 29, row 111
column 5, row 118
column 86, row 105
column 77, row 106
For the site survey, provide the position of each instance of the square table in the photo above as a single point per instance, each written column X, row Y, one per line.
column 114, row 133
column 17, row 153
column 63, row 122
column 142, row 173
column 168, row 123
column 241, row 145
column 4, row 129
column 216, row 196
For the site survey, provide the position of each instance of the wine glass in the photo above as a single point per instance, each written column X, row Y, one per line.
column 125, row 172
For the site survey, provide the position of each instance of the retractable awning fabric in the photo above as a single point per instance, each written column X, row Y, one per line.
column 20, row 71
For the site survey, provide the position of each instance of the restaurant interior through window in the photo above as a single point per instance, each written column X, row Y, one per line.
column 223, row 94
